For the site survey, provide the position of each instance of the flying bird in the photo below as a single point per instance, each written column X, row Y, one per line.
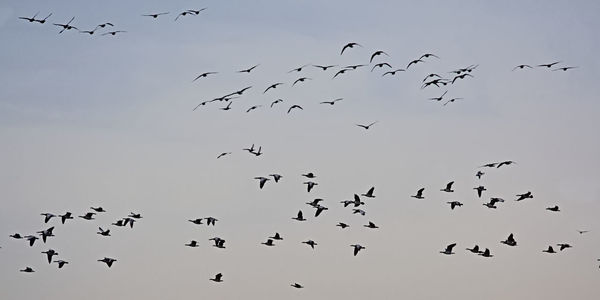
column 27, row 270
column 276, row 177
column 448, row 250
column 311, row 243
column 371, row 225
column 414, row 62
column 565, row 68
column 156, row 15
column 479, row 174
column 480, row 190
column 454, row 204
column 376, row 53
column 262, row 181
column 299, row 217
column 218, row 278
column 61, row 263
column 196, row 12
column 448, row 188
column 103, row 232
column 342, row 225
column 297, row 285
column 301, row 79
column 452, row 101
column 47, row 216
column 486, row 253
column 205, row 74
column 521, row 67
column 269, row 242
column 66, row 26
column 440, row 97
column 276, row 237
column 324, row 68
column 475, row 249
column 549, row 65
column 357, row 248
column 320, row 209
column 88, row 216
column 253, row 108
column 381, row 65
column 349, row 45
column 272, row 86
column 510, row 241
column 42, row 21
column 427, row 55
column 298, row 69
column 564, row 246
column 294, row 106
column 462, row 76
column 98, row 209
column 549, row 250
column 192, row 244
column 553, row 208
column 32, row 19
column 210, row 221
column 342, row 71
column 419, row 194
column 505, row 163
column 108, row 261
column 393, row 72
column 369, row 193
column 50, row 253
column 366, row 127
column 310, row 185
column 248, row 70
column 332, row 102
column 276, row 101
column 524, row 196
column 113, row 32
column 309, row 175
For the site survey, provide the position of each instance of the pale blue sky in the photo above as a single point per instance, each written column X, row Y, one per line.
column 108, row 121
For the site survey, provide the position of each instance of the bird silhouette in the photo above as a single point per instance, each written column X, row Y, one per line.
column 440, row 97
column 310, row 185
column 479, row 190
column 218, row 278
column 204, row 75
column 553, row 208
column 98, row 209
column 50, row 253
column 301, row 79
column 324, row 68
column 454, row 204
column 27, row 270
column 47, row 216
column 114, row 32
column 564, row 68
column 475, row 249
column 486, row 253
column 448, row 250
column 262, row 181
column 366, row 127
column 479, row 174
column 393, row 72
column 269, row 242
column 155, row 15
column 414, row 62
column 297, row 285
column 462, row 76
column 311, row 243
column 342, row 225
column 419, row 194
column 66, row 26
column 88, row 216
column 32, row 19
column 521, row 197
column 428, row 55
column 42, row 21
column 108, row 261
column 223, row 154
column 192, row 244
column 61, row 263
column 294, row 106
column 510, row 241
column 357, row 248
column 549, row 250
column 298, row 69
column 276, row 237
column 381, row 65
column 332, row 102
column 272, row 86
column 349, row 45
column 248, row 70
column 369, row 193
column 276, row 101
column 371, row 225
column 299, row 217
column 276, row 177
column 505, row 163
column 549, row 65
column 103, row 232
column 448, row 188
column 521, row 67
column 376, row 53
column 563, row 246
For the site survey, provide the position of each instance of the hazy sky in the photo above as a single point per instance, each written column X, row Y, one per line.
column 108, row 121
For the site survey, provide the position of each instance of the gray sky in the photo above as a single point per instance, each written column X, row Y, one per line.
column 103, row 120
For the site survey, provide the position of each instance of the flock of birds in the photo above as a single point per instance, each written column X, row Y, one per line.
column 379, row 61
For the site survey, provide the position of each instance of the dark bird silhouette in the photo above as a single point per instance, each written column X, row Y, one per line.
column 369, row 193
column 16, row 236
column 276, row 177
column 47, row 217
column 272, row 86
column 311, row 243
column 42, row 21
column 105, row 24
column 480, row 190
column 309, row 175
column 431, row 76
column 298, row 69
column 88, row 216
column 223, row 154
column 294, row 106
column 549, row 250
column 324, row 68
column 320, row 209
column 554, row 208
column 156, row 15
column 182, row 14
column 448, row 250
column 353, row 67
column 486, row 253
column 359, row 211
column 440, row 97
column 32, row 19
column 371, row 225
column 135, row 215
column 475, row 249
column 428, row 55
column 31, row 239
column 299, row 217
column 119, row 223
column 90, row 32
column 332, row 102
column 564, row 246
column 103, row 232
column 269, row 242
column 98, row 209
column 366, row 127
column 210, row 221
column 301, row 79
column 376, row 53
column 510, row 241
column 192, row 244
column 240, row 92
column 196, row 12
column 479, row 174
column 454, row 204
column 565, row 68
column 342, row 71
column 357, row 248
column 452, row 100
column 66, row 26
column 197, row 221
column 204, row 75
column 549, row 65
column 261, row 181
column 419, row 194
column 579, row 231
column 521, row 67
column 315, row 202
column 46, row 233
column 297, row 285
column 448, row 188
column 50, row 253
column 108, row 261
column 276, row 237
column 505, row 163
column 27, row 270
column 414, row 62
column 524, row 196
column 342, row 225
column 248, row 70
column 349, row 45
column 114, row 32
column 381, row 65
column 493, row 201
column 462, row 76
column 276, row 101
column 393, row 72
column 61, row 263
column 253, row 108
column 218, row 278
column 129, row 221
column 310, row 185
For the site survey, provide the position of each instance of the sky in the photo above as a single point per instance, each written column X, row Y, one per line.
column 108, row 121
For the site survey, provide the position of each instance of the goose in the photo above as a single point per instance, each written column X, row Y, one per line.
column 381, row 65
column 448, row 188
column 480, row 190
column 349, row 45
column 50, row 253
column 371, row 225
column 108, row 261
column 475, row 249
column 103, row 232
column 414, row 62
column 309, row 175
column 357, row 248
column 369, row 193
column 486, row 253
column 419, row 194
column 61, row 263
column 196, row 221
column 276, row 237
column 376, row 53
column 357, row 201
column 294, row 106
column 276, row 177
column 454, row 204
column 549, row 65
column 297, row 285
column 324, row 68
column 65, row 217
column 510, row 241
column 27, row 270
column 549, row 250
column 16, row 236
column 311, row 243
column 358, row 211
column 272, row 86
column 129, row 221
column 524, row 196
column 427, row 55
column 448, row 250
column 564, row 246
column 342, row 225
column 320, row 209
column 310, row 185
column 218, row 278
column 564, row 68
column 119, row 223
column 31, row 239
column 479, row 174
column 210, row 221
column 46, row 233
column 248, row 70
column 155, row 15
column 98, row 209
column 262, row 181
column 554, row 208
column 192, row 244
column 315, row 202
column 521, row 67
column 299, row 217
column 269, row 242
column 505, row 163
column 47, row 216
column 135, row 215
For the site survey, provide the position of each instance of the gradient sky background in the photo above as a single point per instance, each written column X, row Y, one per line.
column 108, row 121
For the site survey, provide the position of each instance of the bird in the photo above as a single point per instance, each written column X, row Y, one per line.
column 98, row 209
column 297, row 285
column 192, row 244
column 299, row 217
column 309, row 175
column 342, row 71
column 448, row 188
column 46, row 233
column 258, row 153
column 479, row 174
column 554, row 208
column 248, row 70
column 276, row 237
column 376, row 53
column 480, row 190
column 431, row 76
column 251, row 149
column 347, row 202
column 16, row 236
column 357, row 202
column 105, row 24
column 332, row 102
column 42, row 21
column 61, row 263
column 66, row 26
column 294, row 106
column 88, row 216
column 448, row 250
column 276, row 177
column 414, row 62
column 549, row 65
column 119, row 223
column 108, row 261
column 369, row 193
column 452, row 100
column 549, row 250
column 342, row 225
column 272, row 86
column 253, row 108
column 197, row 221
column 579, row 231
column 493, row 201
column 31, row 20
column 262, row 181
column 182, row 14
column 486, row 253
column 427, row 55
column 393, row 72
column 505, row 163
column 564, row 68
column 196, row 12
column 357, row 248
column 454, row 204
column 210, row 221
column 510, row 241
column 349, row 45
column 359, row 211
column 371, row 225
column 301, row 79
column 47, row 216
column 114, row 32
column 381, row 65
column 475, row 249
column 315, row 202
column 50, row 253
column 103, row 232
column 27, row 270
column 353, row 67
column 440, row 97
column 524, row 196
column 298, row 69
column 366, row 127
column 462, row 76
column 269, row 242
column 324, row 68
column 320, row 209
column 419, row 194
column 223, row 154
column 310, row 185
column 205, row 74
column 311, row 243
column 219, row 242
column 218, row 278
column 90, row 32
column 275, row 102
column 564, row 246
column 490, row 165
column 240, row 92
column 129, row 221
column 156, row 15
column 521, row 67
